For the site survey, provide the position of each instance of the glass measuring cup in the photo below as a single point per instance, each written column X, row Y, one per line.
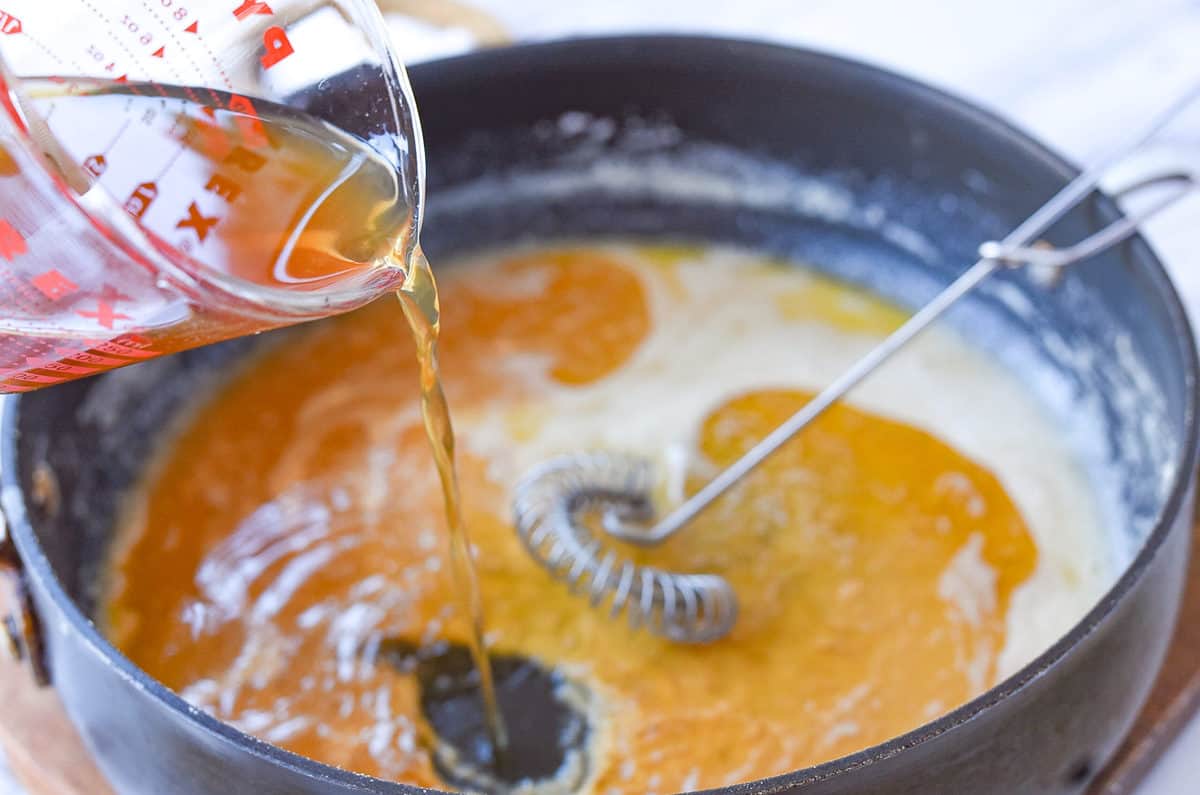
column 163, row 185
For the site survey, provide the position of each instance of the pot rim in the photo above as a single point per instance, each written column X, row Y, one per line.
column 784, row 57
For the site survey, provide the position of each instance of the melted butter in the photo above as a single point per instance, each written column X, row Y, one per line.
column 877, row 566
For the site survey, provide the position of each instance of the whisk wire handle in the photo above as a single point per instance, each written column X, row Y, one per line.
column 1013, row 251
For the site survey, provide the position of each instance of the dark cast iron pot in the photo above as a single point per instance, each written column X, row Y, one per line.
column 869, row 176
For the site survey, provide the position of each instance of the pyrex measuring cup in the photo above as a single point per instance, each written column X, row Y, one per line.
column 160, row 187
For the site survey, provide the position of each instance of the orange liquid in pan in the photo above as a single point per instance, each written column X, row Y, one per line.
column 838, row 548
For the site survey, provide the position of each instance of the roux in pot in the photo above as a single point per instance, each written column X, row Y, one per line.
column 293, row 529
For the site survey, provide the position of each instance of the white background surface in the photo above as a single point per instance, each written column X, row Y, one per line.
column 1074, row 72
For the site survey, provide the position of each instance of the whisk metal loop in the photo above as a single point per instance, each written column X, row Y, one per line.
column 552, row 507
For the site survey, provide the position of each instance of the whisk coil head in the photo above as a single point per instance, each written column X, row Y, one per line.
column 551, row 506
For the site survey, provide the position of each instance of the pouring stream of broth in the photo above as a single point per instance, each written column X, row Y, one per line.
column 419, row 300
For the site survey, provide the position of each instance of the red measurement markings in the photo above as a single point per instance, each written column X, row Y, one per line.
column 111, row 29
column 22, row 379
column 132, row 345
column 95, row 165
column 12, row 243
column 143, row 38
column 224, row 186
column 75, row 361
column 69, row 369
column 245, row 159
column 87, row 357
column 197, row 222
column 38, row 378
column 165, row 20
column 275, row 38
column 134, row 28
column 193, row 28
column 106, row 313
column 251, row 7
column 110, row 293
column 140, row 200
column 53, row 284
column 248, row 121
column 209, row 139
column 9, row 25
column 25, row 380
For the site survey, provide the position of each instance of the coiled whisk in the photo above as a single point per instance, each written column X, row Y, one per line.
column 553, row 506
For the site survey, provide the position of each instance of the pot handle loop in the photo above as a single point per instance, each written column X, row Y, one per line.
column 1169, row 187
column 20, row 632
